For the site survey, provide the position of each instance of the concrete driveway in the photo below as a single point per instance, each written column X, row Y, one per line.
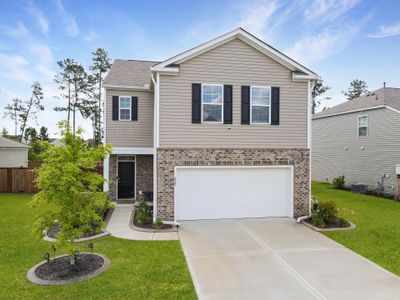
column 277, row 259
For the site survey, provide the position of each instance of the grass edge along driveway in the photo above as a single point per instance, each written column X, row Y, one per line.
column 376, row 236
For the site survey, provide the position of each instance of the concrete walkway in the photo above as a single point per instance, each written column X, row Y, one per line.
column 118, row 226
column 277, row 259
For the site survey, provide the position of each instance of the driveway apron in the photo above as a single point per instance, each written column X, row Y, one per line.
column 277, row 258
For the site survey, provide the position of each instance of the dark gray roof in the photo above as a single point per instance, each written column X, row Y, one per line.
column 7, row 143
column 130, row 73
column 384, row 96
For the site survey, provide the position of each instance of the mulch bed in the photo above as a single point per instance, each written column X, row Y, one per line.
column 54, row 230
column 61, row 268
column 334, row 224
column 59, row 271
column 150, row 226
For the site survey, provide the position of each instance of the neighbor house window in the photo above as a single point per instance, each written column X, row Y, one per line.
column 125, row 108
column 362, row 126
column 260, row 100
column 211, row 100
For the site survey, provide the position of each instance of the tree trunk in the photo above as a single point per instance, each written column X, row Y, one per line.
column 72, row 259
column 69, row 105
column 25, row 120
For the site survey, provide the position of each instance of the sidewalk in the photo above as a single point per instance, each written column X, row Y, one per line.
column 118, row 226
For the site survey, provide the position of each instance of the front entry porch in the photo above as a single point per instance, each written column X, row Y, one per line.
column 130, row 175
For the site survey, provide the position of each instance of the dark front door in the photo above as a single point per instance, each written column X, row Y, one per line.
column 126, row 179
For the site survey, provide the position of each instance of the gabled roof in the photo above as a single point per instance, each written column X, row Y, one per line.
column 169, row 65
column 7, row 143
column 129, row 73
column 384, row 97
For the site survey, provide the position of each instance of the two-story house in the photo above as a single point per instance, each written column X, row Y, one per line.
column 219, row 131
column 360, row 139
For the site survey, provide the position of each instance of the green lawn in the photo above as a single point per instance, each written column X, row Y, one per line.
column 377, row 235
column 139, row 269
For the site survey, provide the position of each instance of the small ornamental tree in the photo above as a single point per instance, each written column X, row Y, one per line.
column 71, row 188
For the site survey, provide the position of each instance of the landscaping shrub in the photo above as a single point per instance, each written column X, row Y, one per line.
column 142, row 215
column 325, row 213
column 338, row 182
column 158, row 224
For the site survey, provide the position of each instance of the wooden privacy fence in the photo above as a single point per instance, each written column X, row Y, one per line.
column 22, row 180
column 14, row 180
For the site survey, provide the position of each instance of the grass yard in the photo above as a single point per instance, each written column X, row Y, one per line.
column 139, row 269
column 376, row 236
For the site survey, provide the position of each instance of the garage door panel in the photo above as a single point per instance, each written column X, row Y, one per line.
column 232, row 192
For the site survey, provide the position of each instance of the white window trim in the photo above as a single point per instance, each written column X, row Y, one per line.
column 251, row 105
column 358, row 126
column 119, row 108
column 222, row 103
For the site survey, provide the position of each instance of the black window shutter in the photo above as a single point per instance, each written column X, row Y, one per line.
column 196, row 103
column 275, row 105
column 115, row 107
column 245, row 104
column 227, row 104
column 134, row 112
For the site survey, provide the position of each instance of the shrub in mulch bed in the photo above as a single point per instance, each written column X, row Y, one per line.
column 143, row 218
column 60, row 271
column 324, row 215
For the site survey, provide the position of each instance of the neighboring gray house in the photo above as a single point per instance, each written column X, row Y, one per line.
column 360, row 139
column 219, row 131
column 13, row 154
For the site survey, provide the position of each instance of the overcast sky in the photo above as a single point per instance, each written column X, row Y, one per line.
column 340, row 40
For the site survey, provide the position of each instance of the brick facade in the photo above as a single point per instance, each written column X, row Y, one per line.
column 168, row 158
column 144, row 175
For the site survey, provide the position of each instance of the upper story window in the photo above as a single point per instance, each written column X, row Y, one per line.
column 125, row 108
column 260, row 100
column 362, row 126
column 212, row 104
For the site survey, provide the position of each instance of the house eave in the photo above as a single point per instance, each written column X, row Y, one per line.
column 127, row 87
column 353, row 111
column 304, row 77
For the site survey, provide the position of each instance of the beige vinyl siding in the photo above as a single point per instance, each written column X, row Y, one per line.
column 13, row 157
column 381, row 151
column 131, row 133
column 238, row 64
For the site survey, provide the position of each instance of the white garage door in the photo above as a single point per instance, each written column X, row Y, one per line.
column 233, row 192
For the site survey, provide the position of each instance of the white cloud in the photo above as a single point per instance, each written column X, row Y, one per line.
column 315, row 48
column 15, row 67
column 324, row 11
column 41, row 52
column 69, row 21
column 91, row 36
column 386, row 31
column 256, row 17
column 15, row 32
column 41, row 20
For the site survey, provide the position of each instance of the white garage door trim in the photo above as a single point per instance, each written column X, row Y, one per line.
column 288, row 167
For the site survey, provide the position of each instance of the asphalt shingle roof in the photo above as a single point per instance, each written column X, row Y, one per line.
column 7, row 143
column 384, row 96
column 130, row 73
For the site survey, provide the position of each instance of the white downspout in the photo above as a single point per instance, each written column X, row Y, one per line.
column 106, row 161
column 310, row 86
column 155, row 143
